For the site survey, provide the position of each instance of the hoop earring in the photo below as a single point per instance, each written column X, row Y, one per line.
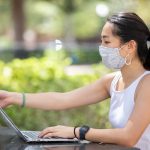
column 128, row 61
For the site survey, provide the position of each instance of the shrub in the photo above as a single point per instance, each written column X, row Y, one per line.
column 47, row 74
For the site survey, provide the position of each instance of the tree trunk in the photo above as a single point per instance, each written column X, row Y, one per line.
column 18, row 18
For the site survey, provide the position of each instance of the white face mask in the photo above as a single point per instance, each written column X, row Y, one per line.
column 111, row 57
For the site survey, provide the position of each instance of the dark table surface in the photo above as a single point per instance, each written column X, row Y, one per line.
column 10, row 141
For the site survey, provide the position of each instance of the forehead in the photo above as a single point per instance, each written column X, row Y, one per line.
column 107, row 28
column 107, row 31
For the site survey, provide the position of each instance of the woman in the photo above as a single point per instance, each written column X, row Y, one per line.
column 125, row 46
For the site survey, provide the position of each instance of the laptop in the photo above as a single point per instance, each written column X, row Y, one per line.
column 31, row 136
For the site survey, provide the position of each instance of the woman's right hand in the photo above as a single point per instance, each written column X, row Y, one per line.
column 9, row 98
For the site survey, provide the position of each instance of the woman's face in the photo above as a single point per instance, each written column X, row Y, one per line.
column 109, row 40
column 107, row 37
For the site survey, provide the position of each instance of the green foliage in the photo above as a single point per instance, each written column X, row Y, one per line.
column 86, row 22
column 47, row 74
column 49, row 17
column 6, row 55
column 44, row 18
column 85, row 56
column 77, row 56
column 5, row 15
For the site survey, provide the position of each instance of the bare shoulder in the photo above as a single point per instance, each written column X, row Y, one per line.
column 146, row 78
column 143, row 88
column 110, row 76
column 145, row 82
column 139, row 119
column 107, row 79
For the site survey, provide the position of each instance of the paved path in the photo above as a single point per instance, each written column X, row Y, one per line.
column 79, row 69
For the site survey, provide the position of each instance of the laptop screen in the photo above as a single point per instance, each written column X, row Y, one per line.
column 9, row 122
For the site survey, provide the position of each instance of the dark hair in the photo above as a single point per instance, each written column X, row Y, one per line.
column 129, row 26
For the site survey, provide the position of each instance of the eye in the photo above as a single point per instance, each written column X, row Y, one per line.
column 106, row 42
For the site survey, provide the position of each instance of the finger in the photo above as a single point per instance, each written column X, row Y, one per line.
column 3, row 104
column 46, row 131
column 49, row 135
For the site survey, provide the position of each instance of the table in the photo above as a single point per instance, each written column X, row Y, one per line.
column 10, row 141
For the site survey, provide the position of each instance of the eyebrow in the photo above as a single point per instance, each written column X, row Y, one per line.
column 104, row 36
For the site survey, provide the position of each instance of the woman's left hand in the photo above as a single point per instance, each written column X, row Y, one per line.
column 58, row 131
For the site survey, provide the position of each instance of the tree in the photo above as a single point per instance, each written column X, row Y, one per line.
column 18, row 17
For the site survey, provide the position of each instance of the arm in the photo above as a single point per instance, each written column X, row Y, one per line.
column 92, row 93
column 137, row 123
column 127, row 136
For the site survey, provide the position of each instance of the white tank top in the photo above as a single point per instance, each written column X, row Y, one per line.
column 122, row 105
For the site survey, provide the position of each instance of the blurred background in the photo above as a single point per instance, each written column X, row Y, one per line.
column 52, row 45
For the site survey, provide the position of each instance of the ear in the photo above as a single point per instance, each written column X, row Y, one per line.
column 132, row 46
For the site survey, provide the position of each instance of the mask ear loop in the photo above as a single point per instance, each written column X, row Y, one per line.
column 128, row 61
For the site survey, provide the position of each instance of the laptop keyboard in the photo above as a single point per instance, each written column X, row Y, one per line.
column 31, row 134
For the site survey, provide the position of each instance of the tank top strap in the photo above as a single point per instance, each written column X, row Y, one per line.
column 136, row 82
column 114, row 81
column 117, row 77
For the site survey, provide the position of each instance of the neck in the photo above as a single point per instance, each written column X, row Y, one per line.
column 132, row 72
